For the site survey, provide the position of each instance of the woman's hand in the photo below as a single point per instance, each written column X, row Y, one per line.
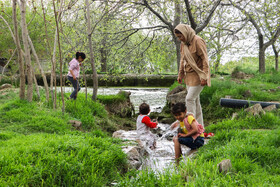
column 203, row 82
column 179, row 80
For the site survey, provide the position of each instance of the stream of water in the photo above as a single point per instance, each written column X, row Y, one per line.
column 163, row 156
column 155, row 97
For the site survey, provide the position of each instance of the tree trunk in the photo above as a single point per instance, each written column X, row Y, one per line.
column 219, row 50
column 27, row 51
column 85, row 79
column 40, row 68
column 178, row 53
column 103, row 54
column 36, row 84
column 48, row 50
column 60, row 59
column 276, row 57
column 103, row 50
column 20, row 60
column 94, row 73
column 177, row 20
column 261, row 55
column 53, row 74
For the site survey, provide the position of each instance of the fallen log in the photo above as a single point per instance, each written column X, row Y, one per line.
column 238, row 103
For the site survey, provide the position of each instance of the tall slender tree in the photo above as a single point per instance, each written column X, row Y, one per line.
column 94, row 72
column 27, row 50
column 20, row 60
column 60, row 57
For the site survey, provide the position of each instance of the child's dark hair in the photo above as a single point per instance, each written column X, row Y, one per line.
column 144, row 108
column 178, row 108
column 81, row 54
column 177, row 31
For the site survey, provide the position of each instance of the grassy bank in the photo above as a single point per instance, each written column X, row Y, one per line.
column 40, row 148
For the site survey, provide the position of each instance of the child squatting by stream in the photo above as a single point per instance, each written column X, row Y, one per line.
column 144, row 124
column 190, row 132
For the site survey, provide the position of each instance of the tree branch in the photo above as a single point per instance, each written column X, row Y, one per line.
column 190, row 15
column 274, row 37
column 249, row 16
column 141, row 28
column 3, row 70
column 210, row 15
column 146, row 4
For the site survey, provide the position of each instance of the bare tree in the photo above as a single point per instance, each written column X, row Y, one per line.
column 27, row 51
column 94, row 73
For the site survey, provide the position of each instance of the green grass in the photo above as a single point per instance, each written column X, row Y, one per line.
column 59, row 160
column 27, row 118
column 39, row 148
column 260, row 91
column 109, row 99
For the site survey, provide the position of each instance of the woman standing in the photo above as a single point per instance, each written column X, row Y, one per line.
column 194, row 67
column 74, row 73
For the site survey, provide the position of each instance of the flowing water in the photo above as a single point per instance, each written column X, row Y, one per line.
column 155, row 97
column 163, row 156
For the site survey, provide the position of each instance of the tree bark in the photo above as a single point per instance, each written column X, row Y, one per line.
column 261, row 54
column 103, row 54
column 85, row 79
column 40, row 68
column 36, row 84
column 27, row 51
column 177, row 20
column 20, row 60
column 60, row 59
column 94, row 73
column 103, row 49
column 276, row 55
column 53, row 73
